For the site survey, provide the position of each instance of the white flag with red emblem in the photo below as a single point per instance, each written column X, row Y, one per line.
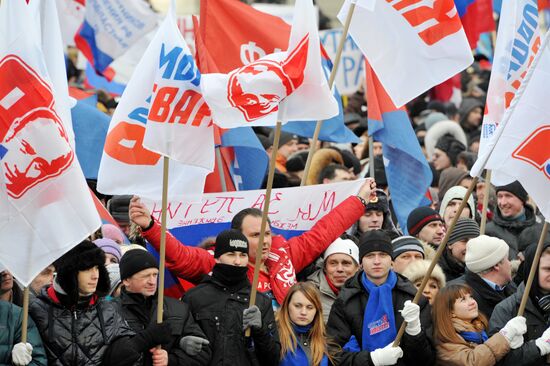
column 45, row 205
column 412, row 45
column 520, row 149
column 283, row 86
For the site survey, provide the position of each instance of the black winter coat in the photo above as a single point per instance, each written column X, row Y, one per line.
column 82, row 336
column 219, row 313
column 346, row 319
column 139, row 312
column 486, row 297
column 528, row 354
column 451, row 266
column 517, row 234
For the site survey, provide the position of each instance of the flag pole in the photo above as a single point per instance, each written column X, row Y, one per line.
column 265, row 212
column 533, row 269
column 25, row 320
column 438, row 255
column 162, row 254
column 221, row 172
column 332, row 77
column 485, row 202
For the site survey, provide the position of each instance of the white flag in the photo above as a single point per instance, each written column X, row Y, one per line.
column 163, row 98
column 411, row 45
column 179, row 124
column 45, row 203
column 283, row 86
column 520, row 149
column 518, row 41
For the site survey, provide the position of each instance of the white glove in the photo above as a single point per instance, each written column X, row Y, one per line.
column 386, row 356
column 411, row 314
column 543, row 343
column 513, row 331
column 21, row 354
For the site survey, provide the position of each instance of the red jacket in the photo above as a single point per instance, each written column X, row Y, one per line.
column 284, row 260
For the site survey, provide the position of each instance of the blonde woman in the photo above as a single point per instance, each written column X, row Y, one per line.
column 302, row 329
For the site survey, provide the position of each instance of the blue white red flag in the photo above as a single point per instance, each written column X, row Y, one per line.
column 407, row 170
column 110, row 28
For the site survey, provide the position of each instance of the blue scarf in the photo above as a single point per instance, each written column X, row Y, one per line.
column 379, row 320
column 474, row 337
column 299, row 358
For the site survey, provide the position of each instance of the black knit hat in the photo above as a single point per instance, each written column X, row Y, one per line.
column 420, row 217
column 451, row 146
column 380, row 203
column 516, row 189
column 374, row 241
column 136, row 260
column 80, row 258
column 230, row 241
column 465, row 228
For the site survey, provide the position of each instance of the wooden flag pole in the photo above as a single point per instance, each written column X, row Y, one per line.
column 25, row 320
column 332, row 77
column 162, row 254
column 263, row 224
column 487, row 190
column 533, row 269
column 438, row 255
column 221, row 172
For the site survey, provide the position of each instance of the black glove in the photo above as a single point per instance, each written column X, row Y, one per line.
column 154, row 335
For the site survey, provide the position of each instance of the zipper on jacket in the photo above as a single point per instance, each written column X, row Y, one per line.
column 73, row 326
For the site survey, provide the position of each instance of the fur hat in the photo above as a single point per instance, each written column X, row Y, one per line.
column 416, row 270
column 440, row 129
column 82, row 257
column 451, row 146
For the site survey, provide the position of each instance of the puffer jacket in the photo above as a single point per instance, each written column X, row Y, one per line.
column 528, row 354
column 472, row 354
column 286, row 258
column 328, row 296
column 219, row 313
column 84, row 335
column 10, row 334
column 518, row 234
column 346, row 320
column 140, row 311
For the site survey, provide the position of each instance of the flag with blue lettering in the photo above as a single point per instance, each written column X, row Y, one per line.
column 111, row 27
column 518, row 41
column 408, row 173
column 162, row 98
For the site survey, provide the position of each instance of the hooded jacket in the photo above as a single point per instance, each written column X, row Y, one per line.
column 285, row 259
column 518, row 234
column 457, row 192
column 537, row 322
column 346, row 320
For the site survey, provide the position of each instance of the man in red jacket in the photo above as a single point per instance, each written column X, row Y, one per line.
column 281, row 259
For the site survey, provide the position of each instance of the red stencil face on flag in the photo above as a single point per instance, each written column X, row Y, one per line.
column 35, row 143
column 534, row 150
column 257, row 88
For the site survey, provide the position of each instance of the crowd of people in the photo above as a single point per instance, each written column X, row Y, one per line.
column 334, row 295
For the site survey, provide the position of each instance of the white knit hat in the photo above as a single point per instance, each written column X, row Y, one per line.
column 343, row 246
column 484, row 252
column 457, row 193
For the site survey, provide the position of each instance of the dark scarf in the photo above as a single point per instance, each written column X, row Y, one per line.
column 379, row 320
column 233, row 277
